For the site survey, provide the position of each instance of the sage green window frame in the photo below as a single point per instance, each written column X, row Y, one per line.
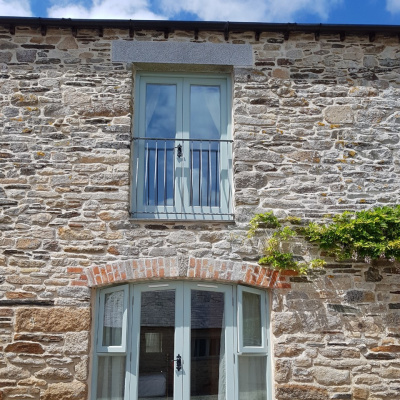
column 182, row 209
column 131, row 333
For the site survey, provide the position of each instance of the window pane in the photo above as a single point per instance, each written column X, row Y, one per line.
column 208, row 369
column 159, row 154
column 157, row 328
column 205, row 122
column 111, row 378
column 113, row 314
column 205, row 112
column 160, row 111
column 252, row 378
column 251, row 309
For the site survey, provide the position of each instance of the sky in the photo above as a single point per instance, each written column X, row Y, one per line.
column 379, row 12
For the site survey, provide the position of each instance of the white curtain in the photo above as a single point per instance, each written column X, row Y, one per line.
column 212, row 101
column 111, row 378
column 112, row 322
column 252, row 377
column 152, row 97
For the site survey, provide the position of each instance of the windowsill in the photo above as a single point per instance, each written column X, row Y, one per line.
column 182, row 221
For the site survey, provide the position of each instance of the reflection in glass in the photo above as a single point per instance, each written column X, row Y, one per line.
column 157, row 327
column 205, row 123
column 205, row 112
column 251, row 308
column 208, row 370
column 159, row 157
column 252, row 377
column 111, row 378
column 113, row 314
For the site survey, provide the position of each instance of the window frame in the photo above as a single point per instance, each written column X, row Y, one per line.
column 110, row 351
column 242, row 349
column 182, row 210
column 130, row 349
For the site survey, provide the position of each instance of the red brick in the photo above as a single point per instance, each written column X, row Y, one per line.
column 261, row 276
column 289, row 272
column 283, row 285
column 78, row 283
column 75, row 270
column 274, row 277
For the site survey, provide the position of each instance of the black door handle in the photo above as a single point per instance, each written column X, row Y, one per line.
column 178, row 362
column 179, row 152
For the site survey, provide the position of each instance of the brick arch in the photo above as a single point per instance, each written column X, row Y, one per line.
column 186, row 268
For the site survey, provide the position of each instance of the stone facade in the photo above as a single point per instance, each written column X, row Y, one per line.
column 315, row 129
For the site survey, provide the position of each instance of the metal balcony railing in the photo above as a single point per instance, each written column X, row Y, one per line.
column 194, row 169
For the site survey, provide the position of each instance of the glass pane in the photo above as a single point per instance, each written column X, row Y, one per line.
column 111, row 378
column 208, row 370
column 157, row 328
column 158, row 152
column 251, row 309
column 252, row 378
column 205, row 112
column 113, row 313
column 159, row 162
column 205, row 123
column 160, row 111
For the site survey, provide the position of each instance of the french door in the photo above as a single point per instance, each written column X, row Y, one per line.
column 181, row 341
column 180, row 346
column 182, row 147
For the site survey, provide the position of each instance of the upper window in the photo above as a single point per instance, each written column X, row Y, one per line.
column 182, row 147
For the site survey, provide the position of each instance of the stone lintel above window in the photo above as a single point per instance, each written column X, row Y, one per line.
column 240, row 55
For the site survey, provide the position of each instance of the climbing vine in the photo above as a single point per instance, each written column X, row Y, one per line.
column 364, row 235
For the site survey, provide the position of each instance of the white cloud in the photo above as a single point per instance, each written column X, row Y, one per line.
column 104, row 9
column 14, row 8
column 393, row 6
column 209, row 10
column 249, row 10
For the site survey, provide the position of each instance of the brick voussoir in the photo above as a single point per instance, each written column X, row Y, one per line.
column 223, row 271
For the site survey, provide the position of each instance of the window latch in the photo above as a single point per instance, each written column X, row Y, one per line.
column 179, row 152
column 178, row 362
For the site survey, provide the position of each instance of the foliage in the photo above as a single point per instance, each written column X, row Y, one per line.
column 369, row 234
column 274, row 256
column 265, row 220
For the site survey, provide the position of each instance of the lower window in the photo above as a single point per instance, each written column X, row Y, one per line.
column 181, row 341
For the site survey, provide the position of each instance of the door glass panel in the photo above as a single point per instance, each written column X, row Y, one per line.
column 252, row 332
column 111, row 378
column 160, row 109
column 252, row 377
column 157, row 328
column 208, row 369
column 112, row 322
column 205, row 123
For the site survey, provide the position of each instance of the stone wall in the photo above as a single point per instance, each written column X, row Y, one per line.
column 315, row 132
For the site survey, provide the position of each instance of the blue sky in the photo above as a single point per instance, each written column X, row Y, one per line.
column 301, row 11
